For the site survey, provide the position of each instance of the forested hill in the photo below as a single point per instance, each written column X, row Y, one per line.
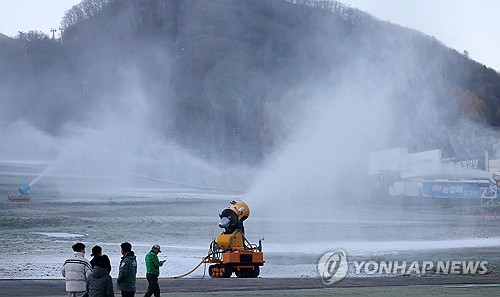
column 222, row 77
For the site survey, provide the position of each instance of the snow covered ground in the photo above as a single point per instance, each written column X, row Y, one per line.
column 37, row 236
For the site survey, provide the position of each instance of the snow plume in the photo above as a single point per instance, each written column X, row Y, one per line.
column 119, row 144
column 22, row 140
column 381, row 97
column 325, row 161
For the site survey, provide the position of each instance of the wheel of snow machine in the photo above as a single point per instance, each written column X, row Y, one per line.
column 248, row 272
column 220, row 271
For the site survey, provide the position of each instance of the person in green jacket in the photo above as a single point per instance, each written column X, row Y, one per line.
column 153, row 271
column 128, row 270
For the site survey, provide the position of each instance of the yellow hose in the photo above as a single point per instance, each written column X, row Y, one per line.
column 188, row 273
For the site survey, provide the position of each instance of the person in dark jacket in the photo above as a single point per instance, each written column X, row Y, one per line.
column 128, row 271
column 100, row 283
column 97, row 252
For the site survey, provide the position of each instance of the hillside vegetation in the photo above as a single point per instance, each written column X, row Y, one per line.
column 226, row 78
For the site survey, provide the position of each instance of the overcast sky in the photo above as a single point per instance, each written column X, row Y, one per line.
column 472, row 25
column 24, row 15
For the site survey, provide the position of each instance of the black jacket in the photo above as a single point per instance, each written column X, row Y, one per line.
column 104, row 260
column 100, row 283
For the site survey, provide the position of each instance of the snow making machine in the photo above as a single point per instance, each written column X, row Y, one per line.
column 231, row 251
column 23, row 194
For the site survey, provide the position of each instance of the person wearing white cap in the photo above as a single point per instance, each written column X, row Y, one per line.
column 153, row 265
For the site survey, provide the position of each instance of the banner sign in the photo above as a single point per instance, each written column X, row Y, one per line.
column 459, row 190
column 468, row 162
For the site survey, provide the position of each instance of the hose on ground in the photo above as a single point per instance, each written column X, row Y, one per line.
column 203, row 260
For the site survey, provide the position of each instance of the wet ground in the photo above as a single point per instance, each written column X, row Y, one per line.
column 387, row 286
column 37, row 235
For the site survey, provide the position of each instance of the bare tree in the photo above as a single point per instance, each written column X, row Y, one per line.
column 32, row 35
column 84, row 10
column 349, row 14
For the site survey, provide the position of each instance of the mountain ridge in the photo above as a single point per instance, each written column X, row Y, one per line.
column 219, row 73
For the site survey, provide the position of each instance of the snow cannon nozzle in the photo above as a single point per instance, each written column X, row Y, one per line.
column 24, row 190
column 224, row 222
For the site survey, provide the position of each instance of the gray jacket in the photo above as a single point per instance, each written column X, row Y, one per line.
column 100, row 283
